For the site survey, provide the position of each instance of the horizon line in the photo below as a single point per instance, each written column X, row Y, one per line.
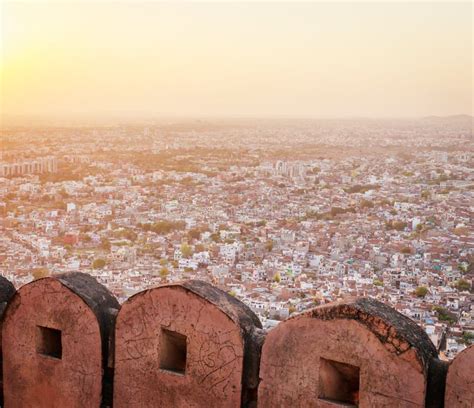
column 15, row 120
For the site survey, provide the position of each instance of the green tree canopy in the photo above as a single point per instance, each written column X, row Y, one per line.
column 462, row 285
column 39, row 273
column 98, row 263
column 186, row 250
column 421, row 291
column 164, row 272
column 445, row 315
column 194, row 233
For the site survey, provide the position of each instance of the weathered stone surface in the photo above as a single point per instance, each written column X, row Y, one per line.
column 55, row 337
column 183, row 345
column 360, row 352
column 460, row 380
column 7, row 290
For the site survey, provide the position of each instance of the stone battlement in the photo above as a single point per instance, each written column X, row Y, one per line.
column 66, row 342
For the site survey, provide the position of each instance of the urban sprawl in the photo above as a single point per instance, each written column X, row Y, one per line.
column 283, row 214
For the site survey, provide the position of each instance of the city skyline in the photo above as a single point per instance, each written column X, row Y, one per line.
column 236, row 204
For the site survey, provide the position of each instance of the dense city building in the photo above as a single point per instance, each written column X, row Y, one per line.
column 283, row 215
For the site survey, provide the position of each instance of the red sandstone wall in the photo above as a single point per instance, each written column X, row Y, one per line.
column 460, row 381
column 341, row 355
column 52, row 343
column 365, row 343
column 291, row 361
column 212, row 375
column 35, row 380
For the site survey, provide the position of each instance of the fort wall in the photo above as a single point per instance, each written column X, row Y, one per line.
column 66, row 342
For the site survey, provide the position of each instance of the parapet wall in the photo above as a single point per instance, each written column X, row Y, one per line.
column 66, row 342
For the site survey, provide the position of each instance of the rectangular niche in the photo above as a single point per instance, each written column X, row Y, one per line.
column 49, row 342
column 173, row 351
column 339, row 383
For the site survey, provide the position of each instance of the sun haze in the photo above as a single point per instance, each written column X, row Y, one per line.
column 73, row 60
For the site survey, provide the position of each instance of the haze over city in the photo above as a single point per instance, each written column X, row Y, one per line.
column 127, row 60
column 236, row 204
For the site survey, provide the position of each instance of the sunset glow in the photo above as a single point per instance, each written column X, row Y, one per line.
column 258, row 59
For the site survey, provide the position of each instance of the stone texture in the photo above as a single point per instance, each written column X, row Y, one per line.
column 460, row 380
column 219, row 331
column 372, row 347
column 392, row 353
column 7, row 290
column 75, row 304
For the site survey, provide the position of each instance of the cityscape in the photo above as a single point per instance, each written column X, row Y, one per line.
column 236, row 204
column 284, row 215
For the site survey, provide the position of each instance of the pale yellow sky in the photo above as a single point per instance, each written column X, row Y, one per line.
column 108, row 59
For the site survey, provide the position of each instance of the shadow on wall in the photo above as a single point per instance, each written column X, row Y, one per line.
column 7, row 290
column 67, row 343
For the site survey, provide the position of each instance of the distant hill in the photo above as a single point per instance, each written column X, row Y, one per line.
column 450, row 119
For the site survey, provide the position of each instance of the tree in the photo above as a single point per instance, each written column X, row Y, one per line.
column 461, row 231
column 163, row 227
column 399, row 225
column 194, row 233
column 467, row 338
column 462, row 285
column 186, row 250
column 445, row 315
column 199, row 248
column 366, row 204
column 406, row 250
column 317, row 300
column 85, row 238
column 470, row 264
column 269, row 245
column 339, row 210
column 105, row 244
column 129, row 234
column 164, row 272
column 61, row 205
column 277, row 277
column 421, row 291
column 98, row 263
column 39, row 273
column 462, row 268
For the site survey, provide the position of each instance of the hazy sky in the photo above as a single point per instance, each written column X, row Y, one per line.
column 74, row 59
